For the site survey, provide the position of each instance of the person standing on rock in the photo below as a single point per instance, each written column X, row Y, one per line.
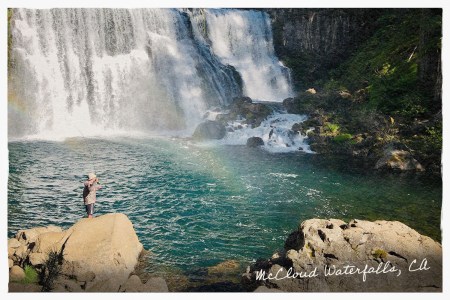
column 89, row 193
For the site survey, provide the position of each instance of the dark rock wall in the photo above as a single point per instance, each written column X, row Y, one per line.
column 311, row 41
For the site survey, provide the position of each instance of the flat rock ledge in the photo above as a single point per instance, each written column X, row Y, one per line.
column 358, row 256
column 94, row 255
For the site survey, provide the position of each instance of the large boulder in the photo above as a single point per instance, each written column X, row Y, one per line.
column 98, row 254
column 209, row 130
column 239, row 103
column 397, row 157
column 290, row 104
column 107, row 246
column 254, row 113
column 321, row 246
column 244, row 108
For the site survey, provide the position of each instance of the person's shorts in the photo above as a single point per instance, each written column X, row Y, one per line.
column 90, row 209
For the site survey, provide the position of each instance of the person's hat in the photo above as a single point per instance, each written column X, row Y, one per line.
column 92, row 176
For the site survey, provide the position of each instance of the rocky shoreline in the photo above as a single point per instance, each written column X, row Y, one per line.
column 94, row 255
column 358, row 256
column 335, row 126
column 104, row 255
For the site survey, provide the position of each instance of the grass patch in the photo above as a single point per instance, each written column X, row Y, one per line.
column 333, row 128
column 31, row 275
column 343, row 137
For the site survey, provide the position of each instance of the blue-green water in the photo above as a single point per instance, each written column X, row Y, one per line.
column 195, row 206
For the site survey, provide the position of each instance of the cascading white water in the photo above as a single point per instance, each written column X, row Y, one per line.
column 276, row 133
column 244, row 39
column 87, row 72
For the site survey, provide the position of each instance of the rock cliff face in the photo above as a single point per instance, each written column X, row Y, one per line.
column 359, row 256
column 94, row 255
column 312, row 41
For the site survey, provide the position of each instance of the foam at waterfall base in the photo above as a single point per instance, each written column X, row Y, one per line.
column 275, row 131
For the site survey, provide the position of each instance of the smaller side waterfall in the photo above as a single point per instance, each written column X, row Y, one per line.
column 243, row 38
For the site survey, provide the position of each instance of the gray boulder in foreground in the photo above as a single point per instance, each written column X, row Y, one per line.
column 209, row 130
column 333, row 256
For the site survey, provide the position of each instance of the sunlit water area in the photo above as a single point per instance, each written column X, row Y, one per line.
column 195, row 205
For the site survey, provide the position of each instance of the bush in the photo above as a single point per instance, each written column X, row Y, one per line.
column 379, row 253
column 51, row 270
column 333, row 128
column 343, row 137
column 31, row 276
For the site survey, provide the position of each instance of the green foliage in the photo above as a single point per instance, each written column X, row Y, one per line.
column 51, row 271
column 392, row 78
column 31, row 276
column 411, row 110
column 387, row 65
column 334, row 85
column 343, row 137
column 333, row 128
column 379, row 253
column 430, row 143
column 435, row 135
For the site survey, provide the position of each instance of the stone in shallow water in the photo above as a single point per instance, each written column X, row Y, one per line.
column 226, row 267
column 209, row 130
column 255, row 141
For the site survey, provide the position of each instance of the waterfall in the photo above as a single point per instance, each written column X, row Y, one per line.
column 243, row 38
column 87, row 72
